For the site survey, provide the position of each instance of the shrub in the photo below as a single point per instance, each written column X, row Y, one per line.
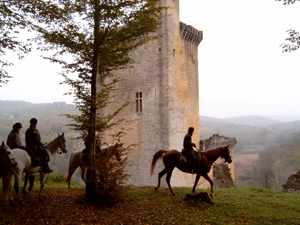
column 55, row 178
column 109, row 175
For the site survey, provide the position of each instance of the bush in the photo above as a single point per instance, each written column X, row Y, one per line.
column 109, row 175
column 55, row 178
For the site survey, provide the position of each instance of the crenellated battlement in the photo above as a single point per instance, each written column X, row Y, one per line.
column 190, row 33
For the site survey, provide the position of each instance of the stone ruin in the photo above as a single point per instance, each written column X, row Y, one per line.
column 223, row 174
column 293, row 184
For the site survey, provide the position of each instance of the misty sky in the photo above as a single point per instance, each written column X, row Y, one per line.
column 242, row 70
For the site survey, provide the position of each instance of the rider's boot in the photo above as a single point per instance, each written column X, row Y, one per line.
column 46, row 169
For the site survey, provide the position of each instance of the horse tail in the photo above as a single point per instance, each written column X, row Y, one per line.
column 156, row 157
column 67, row 177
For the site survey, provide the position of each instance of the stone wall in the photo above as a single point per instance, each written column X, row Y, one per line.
column 293, row 184
column 222, row 174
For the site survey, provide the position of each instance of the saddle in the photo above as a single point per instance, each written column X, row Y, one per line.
column 183, row 158
column 36, row 159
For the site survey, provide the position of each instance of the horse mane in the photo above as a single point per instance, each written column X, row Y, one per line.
column 214, row 151
column 211, row 151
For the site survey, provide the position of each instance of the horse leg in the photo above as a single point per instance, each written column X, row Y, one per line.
column 205, row 175
column 72, row 169
column 6, row 185
column 163, row 172
column 31, row 182
column 42, row 181
column 17, row 187
column 169, row 174
column 196, row 181
column 25, row 184
column 83, row 171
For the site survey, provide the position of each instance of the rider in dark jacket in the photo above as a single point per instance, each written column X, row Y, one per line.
column 33, row 141
column 188, row 145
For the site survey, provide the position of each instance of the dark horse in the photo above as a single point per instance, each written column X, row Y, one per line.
column 171, row 160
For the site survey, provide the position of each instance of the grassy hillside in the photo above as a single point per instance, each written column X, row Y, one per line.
column 142, row 205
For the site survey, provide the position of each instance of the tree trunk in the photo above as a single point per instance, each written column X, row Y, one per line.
column 201, row 196
column 90, row 185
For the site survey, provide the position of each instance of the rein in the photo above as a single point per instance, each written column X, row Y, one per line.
column 52, row 145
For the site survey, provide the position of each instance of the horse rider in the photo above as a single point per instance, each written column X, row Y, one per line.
column 13, row 139
column 188, row 146
column 33, row 141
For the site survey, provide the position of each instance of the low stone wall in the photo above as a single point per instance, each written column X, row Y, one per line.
column 293, row 184
column 222, row 176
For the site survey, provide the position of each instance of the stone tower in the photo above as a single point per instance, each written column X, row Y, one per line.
column 162, row 86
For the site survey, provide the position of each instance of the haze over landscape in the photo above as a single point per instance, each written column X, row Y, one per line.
column 242, row 70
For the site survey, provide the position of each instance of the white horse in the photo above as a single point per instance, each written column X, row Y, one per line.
column 76, row 161
column 24, row 166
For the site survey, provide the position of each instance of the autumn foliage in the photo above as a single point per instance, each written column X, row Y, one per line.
column 110, row 175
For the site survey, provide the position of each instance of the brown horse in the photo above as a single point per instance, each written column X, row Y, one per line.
column 77, row 161
column 171, row 160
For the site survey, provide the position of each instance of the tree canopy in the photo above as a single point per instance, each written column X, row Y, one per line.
column 293, row 39
column 90, row 39
column 13, row 18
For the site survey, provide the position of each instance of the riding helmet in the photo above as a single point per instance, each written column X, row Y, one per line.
column 16, row 126
column 33, row 121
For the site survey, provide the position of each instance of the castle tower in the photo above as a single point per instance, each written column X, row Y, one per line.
column 163, row 88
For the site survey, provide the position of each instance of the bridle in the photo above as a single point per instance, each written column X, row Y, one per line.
column 64, row 148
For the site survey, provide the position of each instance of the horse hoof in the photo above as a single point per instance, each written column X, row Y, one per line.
column 211, row 195
column 156, row 188
column 173, row 193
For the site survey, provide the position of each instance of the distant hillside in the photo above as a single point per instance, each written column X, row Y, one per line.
column 259, row 121
column 49, row 115
column 255, row 121
column 295, row 125
column 249, row 130
column 212, row 119
column 284, row 118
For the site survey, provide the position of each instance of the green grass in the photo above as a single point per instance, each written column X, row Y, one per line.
column 142, row 205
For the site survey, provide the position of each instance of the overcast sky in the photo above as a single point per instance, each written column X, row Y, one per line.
column 242, row 70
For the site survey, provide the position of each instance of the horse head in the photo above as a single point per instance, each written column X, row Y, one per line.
column 4, row 151
column 118, row 152
column 112, row 150
column 225, row 154
column 62, row 143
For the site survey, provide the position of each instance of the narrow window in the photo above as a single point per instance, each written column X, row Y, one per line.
column 138, row 102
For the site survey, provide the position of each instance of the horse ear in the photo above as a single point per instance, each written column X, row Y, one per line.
column 62, row 134
column 3, row 144
column 228, row 145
